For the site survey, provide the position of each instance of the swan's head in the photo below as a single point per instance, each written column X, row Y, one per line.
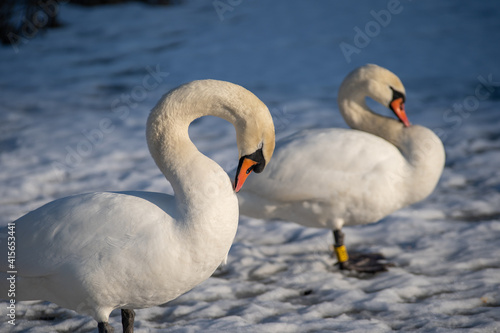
column 255, row 139
column 169, row 120
column 380, row 84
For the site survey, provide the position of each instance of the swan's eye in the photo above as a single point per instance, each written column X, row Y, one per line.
column 258, row 158
column 396, row 94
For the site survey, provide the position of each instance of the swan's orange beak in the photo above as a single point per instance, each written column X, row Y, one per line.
column 244, row 169
column 398, row 107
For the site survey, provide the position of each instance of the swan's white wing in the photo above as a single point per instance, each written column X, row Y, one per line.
column 315, row 164
column 103, row 248
column 349, row 172
column 83, row 225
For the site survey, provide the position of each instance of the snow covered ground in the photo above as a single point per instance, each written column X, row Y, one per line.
column 73, row 105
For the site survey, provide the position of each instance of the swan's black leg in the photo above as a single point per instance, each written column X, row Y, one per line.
column 128, row 316
column 105, row 327
column 340, row 250
column 359, row 262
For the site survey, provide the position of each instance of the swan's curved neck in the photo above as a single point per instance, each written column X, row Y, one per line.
column 198, row 182
column 359, row 116
column 419, row 146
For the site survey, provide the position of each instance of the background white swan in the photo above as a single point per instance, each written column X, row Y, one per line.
column 329, row 178
column 97, row 252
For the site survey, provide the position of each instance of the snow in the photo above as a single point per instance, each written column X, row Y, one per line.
column 73, row 106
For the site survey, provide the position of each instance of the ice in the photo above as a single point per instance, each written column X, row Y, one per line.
column 73, row 107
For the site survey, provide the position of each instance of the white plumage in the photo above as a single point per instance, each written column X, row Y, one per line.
column 329, row 178
column 97, row 252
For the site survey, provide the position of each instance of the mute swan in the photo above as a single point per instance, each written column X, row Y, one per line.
column 97, row 252
column 328, row 178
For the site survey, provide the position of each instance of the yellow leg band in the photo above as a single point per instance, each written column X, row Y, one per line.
column 341, row 253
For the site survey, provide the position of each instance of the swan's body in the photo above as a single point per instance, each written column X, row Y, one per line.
column 97, row 252
column 334, row 177
column 94, row 260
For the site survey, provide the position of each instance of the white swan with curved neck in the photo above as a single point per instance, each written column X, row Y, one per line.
column 97, row 252
column 329, row 178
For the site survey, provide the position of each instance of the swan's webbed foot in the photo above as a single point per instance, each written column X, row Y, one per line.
column 365, row 263
column 128, row 316
column 358, row 262
column 105, row 327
